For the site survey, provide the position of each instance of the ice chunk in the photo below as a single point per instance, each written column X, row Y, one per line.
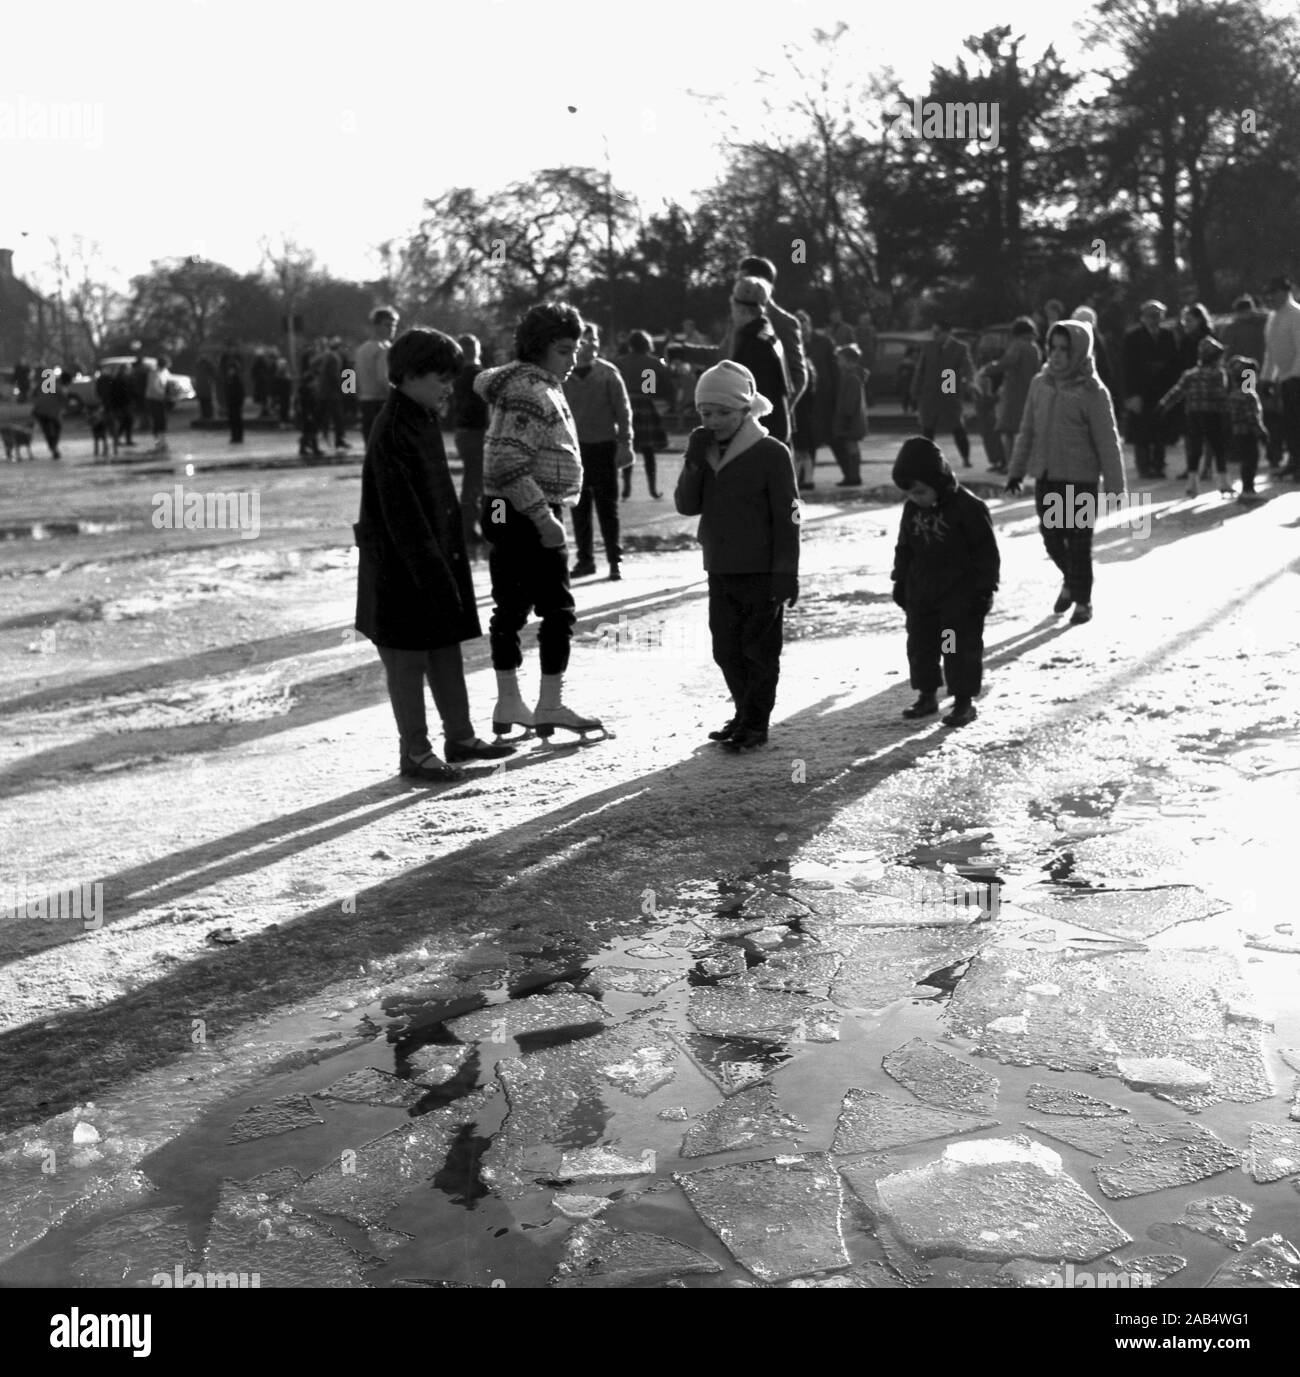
column 1157, row 1266
column 85, row 1133
column 370, row 1086
column 580, row 1206
column 1274, row 1151
column 598, row 1256
column 1131, row 913
column 1270, row 1262
column 1221, row 1217
column 1047, row 1099
column 941, row 1079
column 779, row 1219
column 1193, row 1155
column 751, row 1119
column 437, row 1063
column 810, row 971
column 603, row 1163
column 998, row 1198
column 280, row 1116
column 728, row 1012
column 643, row 1071
column 134, row 1248
column 541, row 1013
column 882, row 965
column 628, row 980
column 870, row 1122
column 1162, row 1073
column 1098, row 1137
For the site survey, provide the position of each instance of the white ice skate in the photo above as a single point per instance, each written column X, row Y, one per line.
column 551, row 712
column 511, row 710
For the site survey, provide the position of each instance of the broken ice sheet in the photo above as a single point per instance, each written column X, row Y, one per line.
column 1138, row 853
column 869, row 1122
column 604, row 1163
column 436, row 1063
column 867, row 1276
column 366, row 1182
column 133, row 1249
column 722, row 960
column 1193, row 1155
column 906, row 898
column 808, row 971
column 729, row 1012
column 998, row 1198
column 734, row 1063
column 779, row 1218
column 1167, row 1002
column 535, row 1014
column 1097, row 1137
column 597, row 1256
column 652, row 951
column 280, row 1116
column 1049, row 1099
column 1169, row 1075
column 751, row 1119
column 370, row 1086
column 1221, row 1217
column 1271, row 1263
column 282, row 1248
column 1274, row 1151
column 1132, row 913
column 941, row 1079
column 885, row 964
column 628, row 980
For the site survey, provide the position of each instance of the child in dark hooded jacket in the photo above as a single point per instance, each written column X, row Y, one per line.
column 946, row 568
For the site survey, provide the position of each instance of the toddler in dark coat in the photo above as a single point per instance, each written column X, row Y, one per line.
column 415, row 595
column 946, row 567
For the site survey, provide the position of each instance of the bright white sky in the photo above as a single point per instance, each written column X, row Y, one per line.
column 211, row 123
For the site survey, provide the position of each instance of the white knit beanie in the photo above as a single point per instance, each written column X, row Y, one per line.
column 731, row 384
column 1085, row 315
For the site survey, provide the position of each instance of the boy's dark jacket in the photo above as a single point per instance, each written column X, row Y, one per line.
column 947, row 555
column 414, row 589
column 747, row 502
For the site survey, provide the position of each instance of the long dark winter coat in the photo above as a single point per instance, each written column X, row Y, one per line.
column 755, row 344
column 414, row 590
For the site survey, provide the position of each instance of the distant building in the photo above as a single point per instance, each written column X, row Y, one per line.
column 29, row 323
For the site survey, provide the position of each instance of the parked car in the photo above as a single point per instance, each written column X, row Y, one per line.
column 81, row 391
column 891, row 347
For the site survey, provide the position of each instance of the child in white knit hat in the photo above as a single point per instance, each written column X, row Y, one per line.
column 740, row 482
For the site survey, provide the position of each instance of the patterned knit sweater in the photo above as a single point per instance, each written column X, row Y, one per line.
column 530, row 455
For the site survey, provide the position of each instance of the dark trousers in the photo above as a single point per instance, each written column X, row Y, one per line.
column 1070, row 545
column 747, row 625
column 469, row 445
column 1204, row 431
column 205, row 406
column 651, row 473
column 1289, row 391
column 1245, row 451
column 284, row 399
column 526, row 578
column 848, row 455
column 960, row 439
column 124, row 422
column 599, row 488
column 331, row 417
column 235, row 412
column 406, row 671
column 308, row 436
column 51, row 428
column 158, row 418
column 368, row 410
column 953, row 635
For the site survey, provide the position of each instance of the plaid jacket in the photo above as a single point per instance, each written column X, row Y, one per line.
column 1201, row 389
column 1245, row 414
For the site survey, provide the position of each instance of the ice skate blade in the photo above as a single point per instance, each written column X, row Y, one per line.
column 587, row 736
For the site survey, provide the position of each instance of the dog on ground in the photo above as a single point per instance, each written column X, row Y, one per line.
column 15, row 439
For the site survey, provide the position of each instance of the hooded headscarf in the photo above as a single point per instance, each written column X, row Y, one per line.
column 921, row 461
column 1083, row 366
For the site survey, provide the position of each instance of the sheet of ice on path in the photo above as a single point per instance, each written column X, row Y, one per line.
column 884, row 964
column 870, row 1122
column 651, row 951
column 604, row 1163
column 868, row 1276
column 998, row 1198
column 734, row 1063
column 726, row 1011
column 386, row 1242
column 366, row 1182
column 941, row 1079
column 779, row 1218
column 1272, row 1263
column 538, row 1014
column 722, row 960
column 437, row 1063
column 133, row 1249
column 547, row 1089
column 1157, row 1266
column 1050, row 1099
column 751, row 1119
column 809, row 971
column 1274, row 1151
column 1097, row 1137
column 369, row 1086
column 597, row 1256
column 1167, row 1075
column 1183, row 1154
column 628, row 980
column 273, row 1184
column 1159, row 1003
column 1220, row 1217
column 573, row 1206
column 950, row 902
column 1133, row 913
column 773, row 905
column 280, row 1116
column 1138, row 853
column 251, row 1235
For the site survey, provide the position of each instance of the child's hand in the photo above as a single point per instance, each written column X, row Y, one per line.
column 983, row 603
column 785, row 588
column 1012, row 487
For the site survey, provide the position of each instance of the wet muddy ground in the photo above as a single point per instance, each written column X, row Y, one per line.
column 877, row 1007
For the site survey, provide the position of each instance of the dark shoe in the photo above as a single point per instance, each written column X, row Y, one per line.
column 429, row 769
column 724, row 733
column 658, row 496
column 615, row 574
column 583, row 569
column 963, row 712
column 1064, row 599
column 478, row 749
column 746, row 739
column 1082, row 613
column 849, row 483
column 925, row 706
column 1185, row 475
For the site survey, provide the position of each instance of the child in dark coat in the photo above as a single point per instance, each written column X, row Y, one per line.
column 946, row 568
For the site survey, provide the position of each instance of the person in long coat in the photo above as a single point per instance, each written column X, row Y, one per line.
column 944, row 375
column 1150, row 369
column 415, row 594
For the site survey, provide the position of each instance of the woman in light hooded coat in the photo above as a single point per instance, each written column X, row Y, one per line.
column 1069, row 444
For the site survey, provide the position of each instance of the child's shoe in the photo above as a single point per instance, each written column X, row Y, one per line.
column 1063, row 600
column 1193, row 486
column 1082, row 613
column 963, row 712
column 925, row 706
